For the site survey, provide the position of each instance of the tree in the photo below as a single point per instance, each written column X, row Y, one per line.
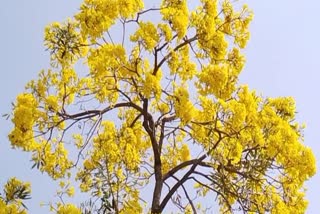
column 159, row 109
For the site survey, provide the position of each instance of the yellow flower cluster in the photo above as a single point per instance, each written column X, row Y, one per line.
column 97, row 16
column 183, row 106
column 52, row 158
column 52, row 102
column 10, row 208
column 67, row 84
column 15, row 191
column 152, row 85
column 247, row 123
column 12, row 186
column 66, row 188
column 121, row 147
column 128, row 9
column 236, row 60
column 177, row 14
column 68, row 209
column 132, row 206
column 105, row 65
column 180, row 63
column 115, row 153
column 25, row 116
column 64, row 86
column 220, row 79
column 64, row 43
column 146, row 34
column 211, row 40
column 30, row 115
column 283, row 106
column 212, row 28
column 114, row 150
column 173, row 155
column 214, row 78
column 166, row 31
column 236, row 23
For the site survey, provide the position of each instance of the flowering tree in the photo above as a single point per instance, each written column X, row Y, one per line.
column 154, row 118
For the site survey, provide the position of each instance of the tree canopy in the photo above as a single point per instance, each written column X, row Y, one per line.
column 141, row 109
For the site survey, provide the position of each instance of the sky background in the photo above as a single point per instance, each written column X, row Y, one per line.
column 282, row 60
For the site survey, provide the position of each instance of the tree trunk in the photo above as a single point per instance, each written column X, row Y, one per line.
column 155, row 209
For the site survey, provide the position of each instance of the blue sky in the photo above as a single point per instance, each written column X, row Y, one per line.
column 282, row 60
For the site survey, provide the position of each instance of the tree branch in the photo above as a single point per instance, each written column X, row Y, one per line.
column 181, row 182
column 187, row 41
column 92, row 113
column 181, row 166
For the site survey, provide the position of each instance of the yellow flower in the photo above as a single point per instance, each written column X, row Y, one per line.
column 68, row 209
column 147, row 34
column 70, row 191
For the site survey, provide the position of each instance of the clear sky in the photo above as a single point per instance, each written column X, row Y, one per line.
column 282, row 60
